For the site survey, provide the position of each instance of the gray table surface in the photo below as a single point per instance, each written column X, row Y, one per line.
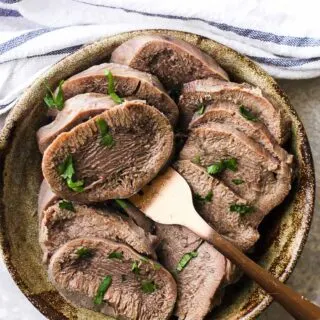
column 305, row 96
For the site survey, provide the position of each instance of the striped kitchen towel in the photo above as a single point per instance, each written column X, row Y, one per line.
column 283, row 36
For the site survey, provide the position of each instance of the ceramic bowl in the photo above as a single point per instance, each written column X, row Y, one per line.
column 283, row 232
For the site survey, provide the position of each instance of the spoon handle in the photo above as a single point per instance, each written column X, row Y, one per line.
column 294, row 303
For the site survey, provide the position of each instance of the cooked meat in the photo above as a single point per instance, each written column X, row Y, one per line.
column 266, row 180
column 200, row 93
column 227, row 113
column 127, row 81
column 199, row 283
column 76, row 110
column 147, row 295
column 46, row 198
column 141, row 144
column 172, row 60
column 60, row 225
column 215, row 208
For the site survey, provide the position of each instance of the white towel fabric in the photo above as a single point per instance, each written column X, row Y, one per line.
column 283, row 36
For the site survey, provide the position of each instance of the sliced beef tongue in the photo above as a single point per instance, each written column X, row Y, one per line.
column 253, row 173
column 76, row 110
column 226, row 112
column 60, row 225
column 46, row 198
column 213, row 199
column 128, row 82
column 199, row 93
column 200, row 281
column 81, row 165
column 172, row 60
column 129, row 287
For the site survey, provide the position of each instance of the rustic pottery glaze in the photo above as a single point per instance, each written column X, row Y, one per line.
column 283, row 232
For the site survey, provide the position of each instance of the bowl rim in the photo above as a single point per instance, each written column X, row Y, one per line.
column 17, row 114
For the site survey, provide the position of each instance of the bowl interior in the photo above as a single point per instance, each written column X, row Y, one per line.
column 283, row 232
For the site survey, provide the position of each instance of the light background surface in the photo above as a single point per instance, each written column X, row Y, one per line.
column 305, row 96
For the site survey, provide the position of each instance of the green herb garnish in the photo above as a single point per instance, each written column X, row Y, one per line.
column 106, row 137
column 135, row 267
column 111, row 91
column 103, row 287
column 196, row 159
column 207, row 197
column 148, row 286
column 55, row 101
column 66, row 170
column 200, row 110
column 222, row 165
column 68, row 205
column 115, row 255
column 84, row 253
column 237, row 181
column 242, row 209
column 186, row 259
column 246, row 113
column 121, row 203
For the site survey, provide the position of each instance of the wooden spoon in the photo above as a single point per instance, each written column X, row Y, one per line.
column 168, row 200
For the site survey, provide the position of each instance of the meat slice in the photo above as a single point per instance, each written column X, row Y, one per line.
column 172, row 60
column 142, row 143
column 76, row 110
column 225, row 112
column 215, row 209
column 148, row 293
column 200, row 93
column 60, row 225
column 128, row 82
column 266, row 181
column 46, row 198
column 200, row 282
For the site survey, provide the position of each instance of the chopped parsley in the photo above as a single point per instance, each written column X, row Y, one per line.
column 186, row 259
column 200, row 110
column 84, row 253
column 55, row 101
column 196, row 159
column 246, row 113
column 106, row 137
column 135, row 267
column 156, row 266
column 148, row 286
column 242, row 209
column 222, row 165
column 116, row 255
column 68, row 205
column 237, row 181
column 103, row 287
column 111, row 91
column 206, row 198
column 66, row 170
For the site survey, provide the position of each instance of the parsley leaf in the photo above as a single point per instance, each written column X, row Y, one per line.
column 111, row 91
column 237, row 181
column 207, row 198
column 55, row 101
column 246, row 113
column 66, row 170
column 200, row 110
column 115, row 255
column 215, row 168
column 186, row 259
column 121, row 203
column 222, row 165
column 230, row 164
column 68, row 205
column 84, row 253
column 103, row 287
column 135, row 267
column 148, row 286
column 242, row 209
column 106, row 137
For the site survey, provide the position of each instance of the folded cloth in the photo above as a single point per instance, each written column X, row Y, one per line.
column 282, row 36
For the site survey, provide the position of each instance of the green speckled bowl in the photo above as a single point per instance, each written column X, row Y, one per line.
column 284, row 231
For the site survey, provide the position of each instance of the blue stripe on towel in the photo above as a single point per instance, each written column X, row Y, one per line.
column 248, row 33
column 2, row 106
column 9, row 13
column 10, row 1
column 283, row 62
